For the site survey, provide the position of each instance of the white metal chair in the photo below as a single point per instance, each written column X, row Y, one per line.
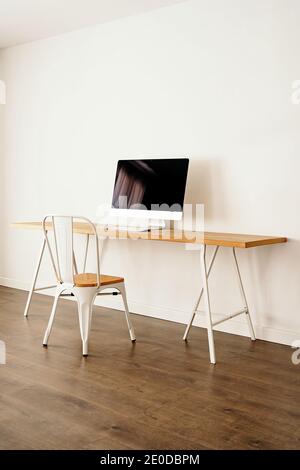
column 84, row 286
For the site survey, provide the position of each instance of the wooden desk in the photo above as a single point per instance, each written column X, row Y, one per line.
column 236, row 240
column 228, row 240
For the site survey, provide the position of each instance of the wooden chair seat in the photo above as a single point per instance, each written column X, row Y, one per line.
column 90, row 280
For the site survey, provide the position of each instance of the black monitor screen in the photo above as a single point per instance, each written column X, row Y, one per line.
column 157, row 184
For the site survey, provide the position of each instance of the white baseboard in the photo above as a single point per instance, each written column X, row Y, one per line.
column 237, row 327
column 13, row 283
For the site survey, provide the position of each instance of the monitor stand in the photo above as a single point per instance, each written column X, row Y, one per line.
column 133, row 226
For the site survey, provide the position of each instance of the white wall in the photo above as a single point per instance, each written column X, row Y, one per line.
column 207, row 79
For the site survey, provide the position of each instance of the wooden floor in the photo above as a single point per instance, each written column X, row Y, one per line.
column 159, row 393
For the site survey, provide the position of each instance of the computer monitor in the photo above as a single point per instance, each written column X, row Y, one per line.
column 150, row 189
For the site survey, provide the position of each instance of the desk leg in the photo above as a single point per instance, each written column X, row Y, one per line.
column 102, row 247
column 37, row 269
column 250, row 325
column 188, row 327
column 209, row 324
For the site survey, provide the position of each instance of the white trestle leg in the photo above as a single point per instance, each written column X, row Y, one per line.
column 209, row 325
column 35, row 276
column 250, row 325
column 188, row 327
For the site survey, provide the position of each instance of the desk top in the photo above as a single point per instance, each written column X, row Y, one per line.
column 208, row 238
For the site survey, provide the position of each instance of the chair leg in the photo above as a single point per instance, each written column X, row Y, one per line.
column 52, row 316
column 85, row 299
column 127, row 314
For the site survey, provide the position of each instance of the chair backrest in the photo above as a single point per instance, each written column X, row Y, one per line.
column 62, row 255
